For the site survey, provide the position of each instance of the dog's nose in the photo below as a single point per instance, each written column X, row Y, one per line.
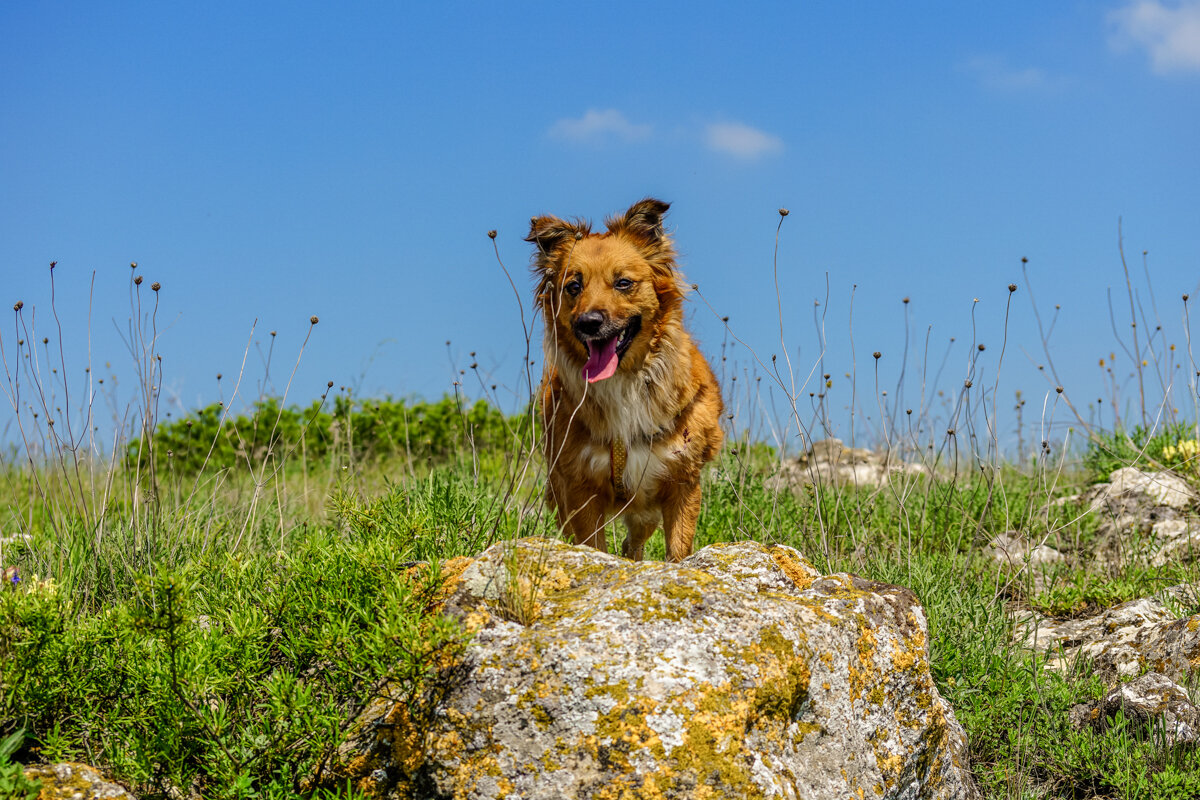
column 588, row 323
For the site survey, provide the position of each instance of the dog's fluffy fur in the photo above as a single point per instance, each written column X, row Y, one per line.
column 620, row 368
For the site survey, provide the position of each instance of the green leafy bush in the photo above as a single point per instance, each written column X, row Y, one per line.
column 14, row 785
column 346, row 430
column 235, row 676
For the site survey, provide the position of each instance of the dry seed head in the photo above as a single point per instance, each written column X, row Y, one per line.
column 133, row 265
column 1058, row 389
column 17, row 306
column 982, row 347
column 156, row 286
column 877, row 355
column 1012, row 287
column 329, row 385
column 967, row 383
column 1024, row 260
column 578, row 235
column 783, row 212
column 137, row 280
column 726, row 319
column 1185, row 298
column 908, row 411
column 53, row 264
column 45, row 340
column 950, row 431
column 218, row 376
column 491, row 234
column 272, row 334
column 313, row 320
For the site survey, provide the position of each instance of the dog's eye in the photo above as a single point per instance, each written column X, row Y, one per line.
column 622, row 284
column 574, row 287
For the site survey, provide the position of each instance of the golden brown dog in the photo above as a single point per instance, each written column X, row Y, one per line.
column 631, row 408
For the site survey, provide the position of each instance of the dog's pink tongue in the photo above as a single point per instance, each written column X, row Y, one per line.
column 602, row 360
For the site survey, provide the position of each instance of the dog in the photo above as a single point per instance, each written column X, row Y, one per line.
column 631, row 409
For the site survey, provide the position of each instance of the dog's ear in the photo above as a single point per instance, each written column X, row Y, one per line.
column 548, row 234
column 643, row 221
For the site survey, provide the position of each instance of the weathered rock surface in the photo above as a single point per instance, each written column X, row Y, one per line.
column 1149, row 517
column 1015, row 551
column 831, row 462
column 1152, row 701
column 1123, row 641
column 75, row 782
column 740, row 673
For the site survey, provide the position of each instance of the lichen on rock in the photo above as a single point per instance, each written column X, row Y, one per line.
column 739, row 673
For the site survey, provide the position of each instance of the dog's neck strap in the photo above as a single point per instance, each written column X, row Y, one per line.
column 618, row 470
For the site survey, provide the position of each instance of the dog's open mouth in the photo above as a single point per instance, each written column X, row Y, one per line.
column 604, row 352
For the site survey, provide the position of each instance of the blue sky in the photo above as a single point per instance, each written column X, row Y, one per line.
column 273, row 161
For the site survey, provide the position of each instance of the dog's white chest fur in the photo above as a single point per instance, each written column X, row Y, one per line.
column 645, row 466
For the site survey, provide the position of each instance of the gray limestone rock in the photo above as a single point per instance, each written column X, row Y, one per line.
column 69, row 781
column 740, row 673
column 829, row 461
column 1153, row 702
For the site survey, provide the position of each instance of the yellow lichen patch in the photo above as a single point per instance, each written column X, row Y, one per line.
column 619, row 692
column 904, row 660
column 451, row 571
column 670, row 602
column 860, row 672
column 795, row 568
column 1193, row 624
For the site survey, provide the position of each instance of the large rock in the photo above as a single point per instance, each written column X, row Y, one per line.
column 740, row 673
column 829, row 461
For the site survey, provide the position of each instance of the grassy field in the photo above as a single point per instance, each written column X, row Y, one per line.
column 214, row 625
column 202, row 610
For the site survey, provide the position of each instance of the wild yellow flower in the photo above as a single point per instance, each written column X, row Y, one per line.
column 1185, row 450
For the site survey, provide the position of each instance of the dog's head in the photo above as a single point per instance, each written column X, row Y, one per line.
column 606, row 296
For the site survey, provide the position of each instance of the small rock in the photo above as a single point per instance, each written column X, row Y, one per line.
column 1162, row 488
column 69, row 781
column 1148, row 518
column 829, row 461
column 1014, row 550
column 1151, row 701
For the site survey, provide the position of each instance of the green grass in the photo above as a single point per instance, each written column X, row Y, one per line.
column 218, row 634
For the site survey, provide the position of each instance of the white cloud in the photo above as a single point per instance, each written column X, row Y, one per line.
column 741, row 141
column 598, row 126
column 1169, row 33
column 995, row 73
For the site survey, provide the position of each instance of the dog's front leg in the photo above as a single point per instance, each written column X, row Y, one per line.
column 585, row 523
column 639, row 530
column 680, row 512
